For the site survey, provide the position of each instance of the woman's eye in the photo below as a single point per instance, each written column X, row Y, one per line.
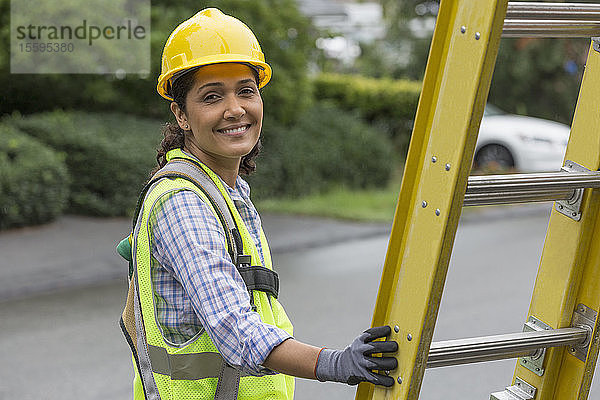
column 211, row 97
column 247, row 91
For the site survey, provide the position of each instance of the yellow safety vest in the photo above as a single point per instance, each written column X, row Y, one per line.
column 194, row 370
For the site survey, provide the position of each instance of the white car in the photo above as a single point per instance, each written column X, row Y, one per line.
column 527, row 144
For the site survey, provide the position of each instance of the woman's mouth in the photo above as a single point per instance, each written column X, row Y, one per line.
column 234, row 131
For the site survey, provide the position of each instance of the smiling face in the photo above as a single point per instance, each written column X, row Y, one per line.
column 224, row 112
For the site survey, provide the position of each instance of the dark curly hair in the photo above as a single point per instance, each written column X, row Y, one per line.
column 174, row 136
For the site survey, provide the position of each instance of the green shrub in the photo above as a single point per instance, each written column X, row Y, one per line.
column 327, row 147
column 34, row 183
column 109, row 156
column 388, row 104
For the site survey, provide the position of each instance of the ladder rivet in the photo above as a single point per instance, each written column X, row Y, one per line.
column 463, row 29
column 396, row 328
column 409, row 337
column 524, row 361
column 447, row 167
column 560, row 207
column 537, row 369
column 399, row 380
column 437, row 212
column 477, row 35
column 574, row 214
column 433, row 159
column 572, row 349
column 582, row 309
column 424, row 204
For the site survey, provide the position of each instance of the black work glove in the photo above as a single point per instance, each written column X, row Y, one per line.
column 355, row 363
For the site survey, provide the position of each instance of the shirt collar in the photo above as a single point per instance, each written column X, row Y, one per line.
column 242, row 189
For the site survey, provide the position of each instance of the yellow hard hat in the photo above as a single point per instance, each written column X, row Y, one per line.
column 210, row 37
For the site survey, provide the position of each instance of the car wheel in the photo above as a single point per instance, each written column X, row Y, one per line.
column 494, row 157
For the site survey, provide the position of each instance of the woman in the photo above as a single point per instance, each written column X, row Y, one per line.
column 208, row 323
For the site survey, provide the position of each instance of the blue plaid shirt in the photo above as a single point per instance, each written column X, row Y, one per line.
column 196, row 285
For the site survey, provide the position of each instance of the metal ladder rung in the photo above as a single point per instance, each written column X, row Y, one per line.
column 500, row 198
column 553, row 11
column 523, row 188
column 498, row 347
column 531, row 19
column 550, row 28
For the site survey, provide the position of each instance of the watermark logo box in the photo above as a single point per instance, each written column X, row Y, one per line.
column 80, row 37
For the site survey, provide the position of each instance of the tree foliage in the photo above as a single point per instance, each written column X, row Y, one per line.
column 286, row 38
column 538, row 77
column 402, row 53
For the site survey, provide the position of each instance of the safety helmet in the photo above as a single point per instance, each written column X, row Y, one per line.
column 210, row 37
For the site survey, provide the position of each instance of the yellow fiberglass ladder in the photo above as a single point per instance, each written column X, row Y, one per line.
column 559, row 343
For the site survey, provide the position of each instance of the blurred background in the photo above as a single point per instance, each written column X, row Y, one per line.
column 75, row 149
column 346, row 85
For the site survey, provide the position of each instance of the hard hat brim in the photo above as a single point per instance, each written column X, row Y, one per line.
column 263, row 69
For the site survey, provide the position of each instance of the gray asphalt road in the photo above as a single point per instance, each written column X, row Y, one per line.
column 67, row 345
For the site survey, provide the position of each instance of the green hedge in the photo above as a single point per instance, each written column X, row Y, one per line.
column 390, row 105
column 34, row 182
column 108, row 156
column 327, row 147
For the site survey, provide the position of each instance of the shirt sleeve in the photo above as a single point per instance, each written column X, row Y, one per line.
column 190, row 243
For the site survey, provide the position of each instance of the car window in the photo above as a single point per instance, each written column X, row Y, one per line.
column 491, row 110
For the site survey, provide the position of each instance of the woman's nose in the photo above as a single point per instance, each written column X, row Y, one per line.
column 233, row 109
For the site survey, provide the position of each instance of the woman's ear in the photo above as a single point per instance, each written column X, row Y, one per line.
column 180, row 116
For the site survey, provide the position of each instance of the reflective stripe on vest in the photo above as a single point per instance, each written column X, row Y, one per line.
column 195, row 370
column 186, row 366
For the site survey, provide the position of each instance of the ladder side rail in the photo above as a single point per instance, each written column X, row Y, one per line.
column 461, row 60
column 569, row 271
